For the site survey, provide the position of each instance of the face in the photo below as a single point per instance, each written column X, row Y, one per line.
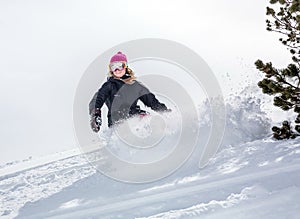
column 118, row 68
column 119, row 73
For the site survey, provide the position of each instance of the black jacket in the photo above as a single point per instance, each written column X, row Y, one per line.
column 121, row 99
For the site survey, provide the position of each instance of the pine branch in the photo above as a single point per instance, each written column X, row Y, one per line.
column 284, row 84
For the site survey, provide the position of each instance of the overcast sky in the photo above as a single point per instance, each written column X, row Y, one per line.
column 46, row 45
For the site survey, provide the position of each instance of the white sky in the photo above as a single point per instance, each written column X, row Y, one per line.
column 46, row 45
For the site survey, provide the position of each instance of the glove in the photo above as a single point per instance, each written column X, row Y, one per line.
column 96, row 120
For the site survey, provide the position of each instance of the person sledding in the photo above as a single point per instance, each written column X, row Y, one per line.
column 121, row 93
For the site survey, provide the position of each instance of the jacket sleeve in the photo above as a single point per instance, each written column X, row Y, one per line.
column 150, row 100
column 99, row 97
column 92, row 103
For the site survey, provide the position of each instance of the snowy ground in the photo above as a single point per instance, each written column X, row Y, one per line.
column 252, row 176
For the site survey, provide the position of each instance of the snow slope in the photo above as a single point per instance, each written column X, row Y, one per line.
column 252, row 176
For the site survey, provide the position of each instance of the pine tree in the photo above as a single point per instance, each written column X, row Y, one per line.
column 284, row 84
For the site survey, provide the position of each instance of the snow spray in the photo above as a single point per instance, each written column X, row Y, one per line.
column 175, row 145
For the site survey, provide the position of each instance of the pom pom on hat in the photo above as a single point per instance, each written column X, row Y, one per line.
column 119, row 57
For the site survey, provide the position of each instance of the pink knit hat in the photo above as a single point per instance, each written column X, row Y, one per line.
column 119, row 57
